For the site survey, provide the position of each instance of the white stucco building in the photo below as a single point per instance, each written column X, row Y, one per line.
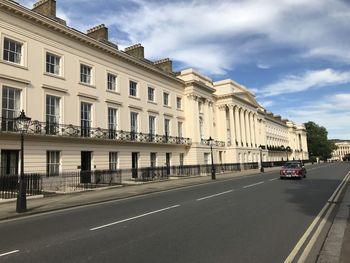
column 94, row 106
column 343, row 148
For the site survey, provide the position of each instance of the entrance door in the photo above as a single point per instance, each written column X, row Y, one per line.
column 167, row 162
column 85, row 174
column 134, row 164
column 9, row 162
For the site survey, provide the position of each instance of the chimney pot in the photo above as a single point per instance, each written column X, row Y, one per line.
column 99, row 33
column 165, row 64
column 46, row 8
column 136, row 51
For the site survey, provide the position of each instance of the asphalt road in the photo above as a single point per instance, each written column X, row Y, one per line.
column 259, row 218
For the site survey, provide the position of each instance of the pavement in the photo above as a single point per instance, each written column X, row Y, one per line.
column 335, row 248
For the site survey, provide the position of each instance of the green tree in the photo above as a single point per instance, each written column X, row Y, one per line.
column 317, row 141
column 346, row 157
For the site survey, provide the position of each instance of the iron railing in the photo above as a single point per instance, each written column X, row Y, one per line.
column 80, row 180
column 9, row 185
column 69, row 130
column 279, row 163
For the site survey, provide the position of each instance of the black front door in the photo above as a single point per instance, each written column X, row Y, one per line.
column 85, row 174
column 9, row 162
column 167, row 162
column 134, row 164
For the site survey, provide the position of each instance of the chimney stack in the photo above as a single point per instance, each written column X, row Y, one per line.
column 99, row 33
column 165, row 64
column 48, row 8
column 136, row 51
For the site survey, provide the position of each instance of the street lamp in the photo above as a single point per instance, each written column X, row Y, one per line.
column 287, row 150
column 22, row 124
column 210, row 142
column 261, row 161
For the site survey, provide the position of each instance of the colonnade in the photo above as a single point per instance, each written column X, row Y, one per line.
column 243, row 125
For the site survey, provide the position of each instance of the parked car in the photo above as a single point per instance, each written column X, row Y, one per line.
column 293, row 169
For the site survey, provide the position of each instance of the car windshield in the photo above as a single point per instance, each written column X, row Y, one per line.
column 291, row 165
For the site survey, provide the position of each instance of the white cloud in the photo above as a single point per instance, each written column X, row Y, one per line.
column 263, row 65
column 215, row 37
column 332, row 112
column 267, row 103
column 308, row 80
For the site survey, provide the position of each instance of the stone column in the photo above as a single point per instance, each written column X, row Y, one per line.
column 222, row 123
column 243, row 129
column 211, row 120
column 252, row 129
column 246, row 116
column 193, row 123
column 237, row 126
column 232, row 126
column 206, row 120
column 255, row 122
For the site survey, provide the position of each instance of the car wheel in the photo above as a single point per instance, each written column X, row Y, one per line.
column 281, row 177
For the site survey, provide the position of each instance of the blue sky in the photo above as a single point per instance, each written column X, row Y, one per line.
column 294, row 54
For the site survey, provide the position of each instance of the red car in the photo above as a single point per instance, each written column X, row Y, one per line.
column 294, row 169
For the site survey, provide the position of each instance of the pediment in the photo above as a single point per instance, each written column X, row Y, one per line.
column 245, row 96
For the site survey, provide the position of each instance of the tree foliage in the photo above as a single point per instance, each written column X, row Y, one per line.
column 317, row 141
column 346, row 157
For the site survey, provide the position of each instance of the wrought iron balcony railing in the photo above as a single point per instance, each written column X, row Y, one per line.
column 216, row 143
column 69, row 130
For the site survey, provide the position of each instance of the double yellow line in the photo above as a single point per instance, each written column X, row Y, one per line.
column 319, row 221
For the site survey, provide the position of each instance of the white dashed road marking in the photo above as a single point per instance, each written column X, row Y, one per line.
column 9, row 253
column 135, row 217
column 210, row 196
column 251, row 185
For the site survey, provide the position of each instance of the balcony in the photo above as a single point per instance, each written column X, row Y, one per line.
column 72, row 131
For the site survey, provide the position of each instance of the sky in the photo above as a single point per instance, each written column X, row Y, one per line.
column 293, row 54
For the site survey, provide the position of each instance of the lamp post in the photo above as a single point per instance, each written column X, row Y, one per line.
column 261, row 161
column 210, row 142
column 22, row 124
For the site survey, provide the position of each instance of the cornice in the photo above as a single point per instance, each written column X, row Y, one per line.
column 233, row 96
column 50, row 24
column 24, row 81
column 200, row 85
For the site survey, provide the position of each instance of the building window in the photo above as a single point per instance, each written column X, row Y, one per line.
column 12, row 51
column 85, row 74
column 179, row 128
column 113, row 160
column 133, row 124
column 167, row 127
column 200, row 107
column 85, row 119
column 178, row 103
column 112, row 122
column 153, row 159
column 201, row 128
column 132, row 88
column 53, row 163
column 181, row 159
column 53, row 64
column 52, row 114
column 10, row 107
column 206, row 158
column 111, row 82
column 151, row 94
column 152, row 127
column 166, row 98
